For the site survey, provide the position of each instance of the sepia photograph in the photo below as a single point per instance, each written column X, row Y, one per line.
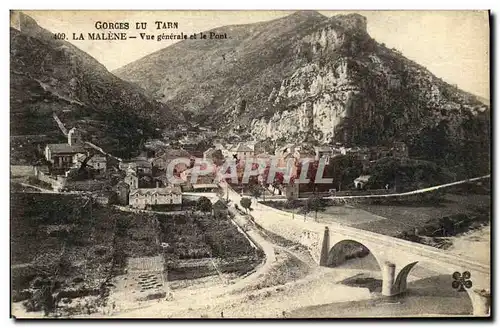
column 250, row 164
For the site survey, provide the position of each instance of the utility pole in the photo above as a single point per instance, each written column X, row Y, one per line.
column 91, row 217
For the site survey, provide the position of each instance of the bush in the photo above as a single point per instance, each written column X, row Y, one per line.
column 203, row 204
column 246, row 203
column 18, row 296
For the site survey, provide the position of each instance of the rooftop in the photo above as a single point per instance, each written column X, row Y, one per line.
column 204, row 186
column 217, row 201
column 306, row 152
column 66, row 149
column 209, row 151
column 138, row 161
column 363, row 178
column 174, row 153
column 243, row 147
column 323, row 148
column 98, row 158
column 158, row 191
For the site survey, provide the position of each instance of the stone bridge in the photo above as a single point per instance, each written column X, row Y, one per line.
column 395, row 257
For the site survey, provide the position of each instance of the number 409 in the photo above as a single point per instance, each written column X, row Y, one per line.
column 59, row 36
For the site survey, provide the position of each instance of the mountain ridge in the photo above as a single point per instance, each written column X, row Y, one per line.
column 53, row 76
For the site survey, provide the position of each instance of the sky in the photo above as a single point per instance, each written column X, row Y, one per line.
column 454, row 45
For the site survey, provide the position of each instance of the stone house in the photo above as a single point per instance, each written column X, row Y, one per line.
column 145, row 197
column 242, row 151
column 97, row 161
column 161, row 162
column 105, row 197
column 219, row 209
column 131, row 179
column 127, row 165
column 292, row 190
column 201, row 179
column 361, row 181
column 63, row 156
column 143, row 165
column 323, row 152
column 122, row 191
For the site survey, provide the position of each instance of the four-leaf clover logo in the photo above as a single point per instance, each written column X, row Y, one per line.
column 461, row 280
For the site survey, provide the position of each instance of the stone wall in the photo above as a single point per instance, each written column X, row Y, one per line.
column 58, row 183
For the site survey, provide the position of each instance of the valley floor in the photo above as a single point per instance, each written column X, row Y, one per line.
column 289, row 284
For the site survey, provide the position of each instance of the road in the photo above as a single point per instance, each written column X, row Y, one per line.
column 408, row 193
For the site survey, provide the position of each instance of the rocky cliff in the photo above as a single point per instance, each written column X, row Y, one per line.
column 52, row 76
column 307, row 76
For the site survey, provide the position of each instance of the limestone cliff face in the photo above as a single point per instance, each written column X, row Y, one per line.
column 354, row 90
column 317, row 99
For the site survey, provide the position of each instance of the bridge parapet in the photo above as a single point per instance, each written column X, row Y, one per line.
column 396, row 257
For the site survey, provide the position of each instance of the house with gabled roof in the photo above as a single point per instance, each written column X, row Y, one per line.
column 242, row 151
column 146, row 197
column 219, row 208
column 361, row 181
column 288, row 148
column 207, row 154
column 303, row 153
column 63, row 155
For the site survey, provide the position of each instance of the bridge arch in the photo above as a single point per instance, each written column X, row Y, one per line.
column 401, row 280
column 479, row 299
column 348, row 249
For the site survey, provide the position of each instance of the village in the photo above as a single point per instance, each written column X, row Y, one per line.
column 142, row 182
column 175, row 234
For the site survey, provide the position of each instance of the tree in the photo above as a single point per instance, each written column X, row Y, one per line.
column 218, row 158
column 43, row 299
column 256, row 191
column 245, row 203
column 291, row 204
column 305, row 209
column 279, row 178
column 203, row 204
column 313, row 203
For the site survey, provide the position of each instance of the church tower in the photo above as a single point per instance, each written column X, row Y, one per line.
column 74, row 137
